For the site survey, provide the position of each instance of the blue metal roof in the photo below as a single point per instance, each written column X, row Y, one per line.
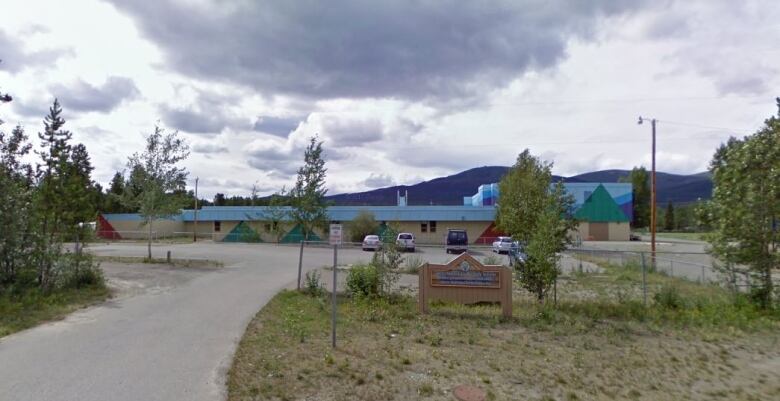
column 134, row 217
column 348, row 213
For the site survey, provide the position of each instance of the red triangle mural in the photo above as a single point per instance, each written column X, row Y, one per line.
column 105, row 229
column 489, row 235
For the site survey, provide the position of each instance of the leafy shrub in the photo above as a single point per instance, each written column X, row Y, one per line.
column 313, row 285
column 363, row 224
column 669, row 297
column 492, row 260
column 412, row 264
column 78, row 271
column 363, row 281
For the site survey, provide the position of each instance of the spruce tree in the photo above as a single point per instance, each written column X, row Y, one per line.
column 669, row 217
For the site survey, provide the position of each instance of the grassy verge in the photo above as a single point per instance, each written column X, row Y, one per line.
column 174, row 261
column 683, row 236
column 691, row 342
column 33, row 308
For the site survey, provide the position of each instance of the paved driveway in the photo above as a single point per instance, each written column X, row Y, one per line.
column 169, row 334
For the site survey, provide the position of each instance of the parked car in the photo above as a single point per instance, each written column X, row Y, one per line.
column 405, row 241
column 505, row 245
column 457, row 240
column 372, row 243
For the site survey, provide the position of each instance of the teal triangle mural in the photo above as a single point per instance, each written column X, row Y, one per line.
column 296, row 236
column 243, row 233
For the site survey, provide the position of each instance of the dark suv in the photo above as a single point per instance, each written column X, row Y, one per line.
column 457, row 241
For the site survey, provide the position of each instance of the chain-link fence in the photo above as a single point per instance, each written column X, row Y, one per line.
column 700, row 267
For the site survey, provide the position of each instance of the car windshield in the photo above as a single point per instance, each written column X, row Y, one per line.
column 405, row 236
column 457, row 235
column 371, row 237
column 506, row 239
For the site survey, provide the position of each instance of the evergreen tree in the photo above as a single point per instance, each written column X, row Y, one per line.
column 308, row 196
column 113, row 198
column 669, row 222
column 51, row 197
column 640, row 184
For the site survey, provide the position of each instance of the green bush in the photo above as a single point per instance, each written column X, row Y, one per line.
column 313, row 286
column 412, row 264
column 79, row 271
column 492, row 260
column 363, row 281
column 669, row 297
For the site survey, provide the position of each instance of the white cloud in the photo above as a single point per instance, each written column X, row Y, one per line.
column 571, row 93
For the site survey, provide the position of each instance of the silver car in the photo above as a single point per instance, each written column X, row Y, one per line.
column 405, row 241
column 372, row 243
column 504, row 245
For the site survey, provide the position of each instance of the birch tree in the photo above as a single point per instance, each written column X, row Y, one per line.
column 157, row 176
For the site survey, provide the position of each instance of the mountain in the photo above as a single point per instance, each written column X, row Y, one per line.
column 450, row 190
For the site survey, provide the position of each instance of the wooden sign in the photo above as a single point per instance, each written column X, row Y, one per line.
column 466, row 280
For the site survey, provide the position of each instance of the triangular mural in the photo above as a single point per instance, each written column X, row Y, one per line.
column 600, row 207
column 242, row 233
column 489, row 235
column 295, row 236
column 105, row 229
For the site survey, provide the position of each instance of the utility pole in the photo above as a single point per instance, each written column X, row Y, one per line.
column 195, row 230
column 652, row 196
column 652, row 201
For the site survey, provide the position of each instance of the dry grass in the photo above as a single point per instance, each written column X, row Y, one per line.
column 194, row 263
column 599, row 343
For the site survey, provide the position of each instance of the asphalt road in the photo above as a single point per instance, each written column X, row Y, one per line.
column 169, row 333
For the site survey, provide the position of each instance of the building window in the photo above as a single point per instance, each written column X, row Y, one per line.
column 267, row 227
column 432, row 225
column 217, row 226
column 423, row 227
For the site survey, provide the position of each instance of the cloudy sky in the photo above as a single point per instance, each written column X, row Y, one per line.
column 400, row 91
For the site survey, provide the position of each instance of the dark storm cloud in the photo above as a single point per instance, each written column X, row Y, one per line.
column 277, row 126
column 378, row 181
column 346, row 132
column 192, row 121
column 15, row 58
column 83, row 96
column 272, row 156
column 398, row 49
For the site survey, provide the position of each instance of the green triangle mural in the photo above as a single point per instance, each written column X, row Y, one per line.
column 600, row 207
column 242, row 233
column 296, row 236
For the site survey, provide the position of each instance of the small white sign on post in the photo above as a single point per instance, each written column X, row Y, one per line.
column 335, row 234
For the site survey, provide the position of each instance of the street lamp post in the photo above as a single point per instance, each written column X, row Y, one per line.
column 652, row 195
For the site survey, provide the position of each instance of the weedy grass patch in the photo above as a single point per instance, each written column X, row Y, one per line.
column 599, row 342
column 33, row 307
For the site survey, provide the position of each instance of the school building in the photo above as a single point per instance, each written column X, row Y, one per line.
column 603, row 210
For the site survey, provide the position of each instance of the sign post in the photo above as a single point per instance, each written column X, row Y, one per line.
column 335, row 240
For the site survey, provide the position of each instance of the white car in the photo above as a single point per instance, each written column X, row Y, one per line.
column 504, row 245
column 405, row 241
column 372, row 243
